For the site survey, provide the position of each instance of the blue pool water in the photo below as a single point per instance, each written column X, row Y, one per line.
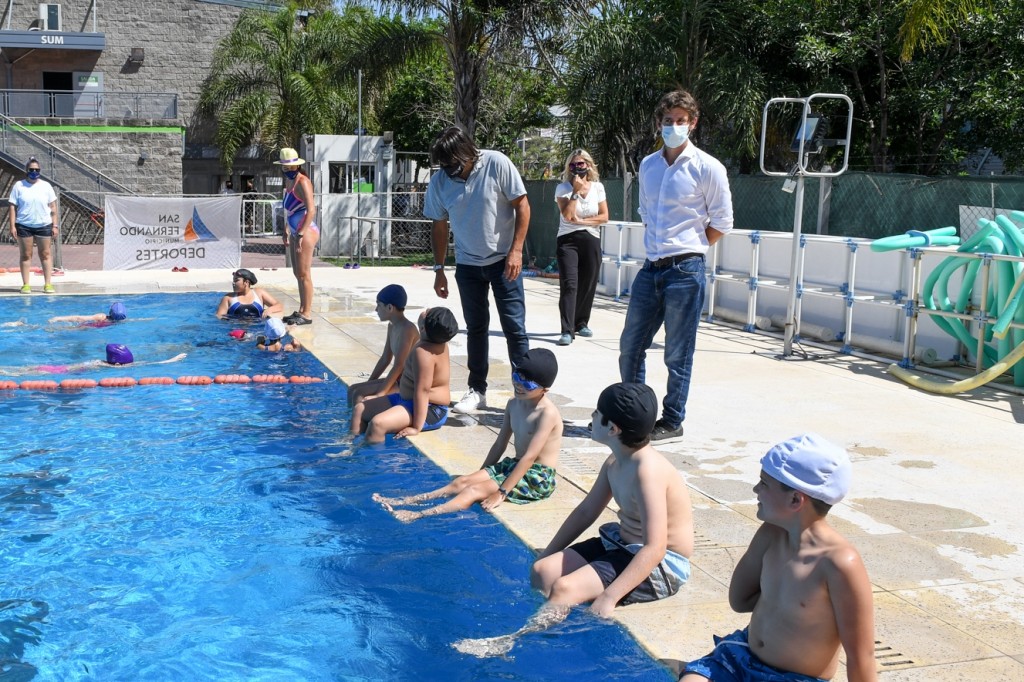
column 227, row 532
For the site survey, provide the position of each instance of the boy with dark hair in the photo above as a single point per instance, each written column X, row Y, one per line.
column 528, row 476
column 645, row 555
column 804, row 584
column 421, row 403
column 401, row 337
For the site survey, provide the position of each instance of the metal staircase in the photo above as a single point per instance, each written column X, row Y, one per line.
column 79, row 185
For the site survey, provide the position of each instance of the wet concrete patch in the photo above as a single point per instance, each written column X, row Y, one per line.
column 725, row 490
column 916, row 516
column 868, row 451
column 916, row 464
column 900, row 561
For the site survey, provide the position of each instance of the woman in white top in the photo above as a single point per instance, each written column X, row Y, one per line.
column 33, row 216
column 583, row 206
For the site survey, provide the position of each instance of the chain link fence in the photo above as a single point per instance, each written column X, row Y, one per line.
column 390, row 228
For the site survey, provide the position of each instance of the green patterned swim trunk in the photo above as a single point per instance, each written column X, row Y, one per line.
column 537, row 484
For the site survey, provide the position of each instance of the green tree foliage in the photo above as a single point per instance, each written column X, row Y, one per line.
column 474, row 33
column 279, row 75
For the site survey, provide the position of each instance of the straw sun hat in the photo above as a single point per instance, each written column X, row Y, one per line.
column 289, row 157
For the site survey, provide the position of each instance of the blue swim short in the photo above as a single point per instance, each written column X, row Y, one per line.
column 437, row 415
column 733, row 661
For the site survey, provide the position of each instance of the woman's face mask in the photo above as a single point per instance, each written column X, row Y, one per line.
column 34, row 173
column 290, row 174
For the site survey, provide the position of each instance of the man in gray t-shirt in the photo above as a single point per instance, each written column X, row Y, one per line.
column 480, row 195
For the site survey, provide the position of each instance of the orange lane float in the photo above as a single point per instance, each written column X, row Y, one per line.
column 78, row 383
column 270, row 379
column 231, row 379
column 8, row 385
column 39, row 385
column 156, row 381
column 305, row 380
column 195, row 381
column 117, row 382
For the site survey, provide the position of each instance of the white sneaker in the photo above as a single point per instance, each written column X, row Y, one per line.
column 471, row 401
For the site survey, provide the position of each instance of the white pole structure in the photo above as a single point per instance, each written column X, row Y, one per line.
column 800, row 171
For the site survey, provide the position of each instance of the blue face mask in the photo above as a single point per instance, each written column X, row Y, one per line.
column 34, row 174
column 453, row 171
column 291, row 174
column 675, row 136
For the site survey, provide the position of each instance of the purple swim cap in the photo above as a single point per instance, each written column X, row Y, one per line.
column 118, row 354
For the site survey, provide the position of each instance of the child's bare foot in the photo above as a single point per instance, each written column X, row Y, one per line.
column 385, row 502
column 404, row 515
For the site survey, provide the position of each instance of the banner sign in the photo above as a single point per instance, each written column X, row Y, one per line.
column 158, row 233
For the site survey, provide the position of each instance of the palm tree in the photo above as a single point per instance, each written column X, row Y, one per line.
column 929, row 22
column 274, row 78
column 472, row 32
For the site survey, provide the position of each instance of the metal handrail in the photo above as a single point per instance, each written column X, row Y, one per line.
column 61, row 162
column 86, row 104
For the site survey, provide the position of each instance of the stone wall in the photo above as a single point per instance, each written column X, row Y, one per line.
column 144, row 162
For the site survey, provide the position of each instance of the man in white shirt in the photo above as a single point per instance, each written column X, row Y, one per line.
column 686, row 207
column 480, row 195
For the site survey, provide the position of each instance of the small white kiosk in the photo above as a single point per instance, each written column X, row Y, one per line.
column 352, row 177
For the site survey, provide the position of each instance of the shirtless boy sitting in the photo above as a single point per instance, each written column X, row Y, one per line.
column 804, row 583
column 421, row 403
column 534, row 422
column 401, row 337
column 643, row 557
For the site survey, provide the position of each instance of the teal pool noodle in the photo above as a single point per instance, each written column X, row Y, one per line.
column 940, row 236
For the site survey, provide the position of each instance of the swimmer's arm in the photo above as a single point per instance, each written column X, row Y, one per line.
column 745, row 586
column 501, row 442
column 304, row 188
column 850, row 592
column 270, row 304
column 77, row 318
column 222, row 309
column 409, row 340
column 421, row 391
column 583, row 515
column 179, row 356
column 652, row 507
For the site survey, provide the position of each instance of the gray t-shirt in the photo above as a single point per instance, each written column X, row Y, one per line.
column 478, row 208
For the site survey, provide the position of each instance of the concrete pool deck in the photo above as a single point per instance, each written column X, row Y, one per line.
column 935, row 506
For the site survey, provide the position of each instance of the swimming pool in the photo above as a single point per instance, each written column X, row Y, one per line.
column 227, row 532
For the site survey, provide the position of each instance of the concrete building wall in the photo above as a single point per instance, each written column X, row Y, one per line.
column 178, row 38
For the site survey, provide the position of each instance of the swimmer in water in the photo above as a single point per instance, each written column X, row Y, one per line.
column 272, row 338
column 246, row 300
column 118, row 355
column 117, row 313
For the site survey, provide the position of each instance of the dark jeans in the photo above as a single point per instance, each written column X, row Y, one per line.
column 579, row 264
column 674, row 296
column 474, row 281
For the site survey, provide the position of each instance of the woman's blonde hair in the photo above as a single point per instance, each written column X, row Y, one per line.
column 592, row 173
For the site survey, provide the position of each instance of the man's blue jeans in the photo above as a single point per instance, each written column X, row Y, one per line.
column 474, row 281
column 674, row 296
